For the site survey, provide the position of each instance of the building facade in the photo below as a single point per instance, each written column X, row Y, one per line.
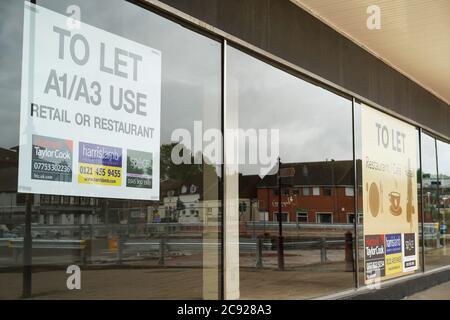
column 225, row 112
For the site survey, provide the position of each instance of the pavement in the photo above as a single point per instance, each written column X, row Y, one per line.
column 186, row 283
column 439, row 292
column 151, row 282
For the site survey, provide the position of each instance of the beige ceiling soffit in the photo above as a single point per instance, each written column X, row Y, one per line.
column 386, row 61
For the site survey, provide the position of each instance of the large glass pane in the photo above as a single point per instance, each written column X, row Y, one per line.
column 132, row 249
column 432, row 236
column 312, row 129
column 442, row 218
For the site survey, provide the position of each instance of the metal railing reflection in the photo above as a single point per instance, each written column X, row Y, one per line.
column 132, row 250
column 161, row 242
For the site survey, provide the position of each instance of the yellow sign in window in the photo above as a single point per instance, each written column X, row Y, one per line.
column 99, row 174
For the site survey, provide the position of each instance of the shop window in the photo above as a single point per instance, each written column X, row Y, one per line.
column 265, row 97
column 190, row 92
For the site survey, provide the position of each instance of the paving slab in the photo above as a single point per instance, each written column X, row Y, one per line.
column 439, row 292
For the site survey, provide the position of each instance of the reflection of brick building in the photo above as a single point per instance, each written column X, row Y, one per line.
column 319, row 192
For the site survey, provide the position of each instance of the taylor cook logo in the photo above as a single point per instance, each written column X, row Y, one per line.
column 51, row 159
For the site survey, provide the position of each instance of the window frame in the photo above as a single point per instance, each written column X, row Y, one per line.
column 319, row 213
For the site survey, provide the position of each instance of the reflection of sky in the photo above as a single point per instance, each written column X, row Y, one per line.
column 190, row 62
column 443, row 150
column 314, row 124
column 428, row 155
column 11, row 16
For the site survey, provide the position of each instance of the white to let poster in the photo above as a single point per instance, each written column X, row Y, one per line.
column 90, row 111
column 389, row 176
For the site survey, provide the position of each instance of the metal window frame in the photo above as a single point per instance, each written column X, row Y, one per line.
column 318, row 213
column 355, row 204
column 421, row 200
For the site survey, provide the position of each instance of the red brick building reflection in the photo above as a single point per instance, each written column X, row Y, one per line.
column 319, row 192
